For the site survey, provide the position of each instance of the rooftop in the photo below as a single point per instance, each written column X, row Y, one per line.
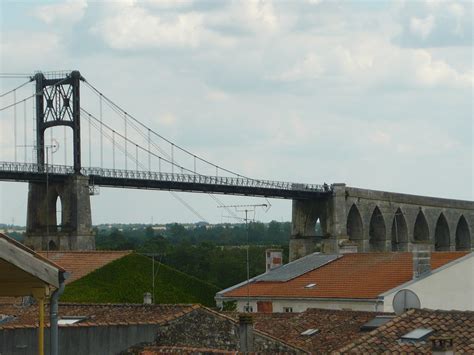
column 80, row 263
column 350, row 276
column 458, row 325
column 334, row 328
column 95, row 314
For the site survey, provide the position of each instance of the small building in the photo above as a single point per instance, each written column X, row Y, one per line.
column 25, row 273
column 419, row 331
column 358, row 281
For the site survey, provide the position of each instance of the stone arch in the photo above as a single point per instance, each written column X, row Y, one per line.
column 463, row 236
column 442, row 235
column 59, row 211
column 318, row 228
column 377, row 231
column 421, row 231
column 399, row 232
column 355, row 227
column 52, row 245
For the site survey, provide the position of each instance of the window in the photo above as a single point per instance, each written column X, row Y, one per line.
column 417, row 334
column 375, row 323
column 288, row 309
column 310, row 286
column 70, row 320
column 248, row 309
column 310, row 331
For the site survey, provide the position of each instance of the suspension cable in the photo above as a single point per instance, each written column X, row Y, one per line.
column 175, row 195
column 132, row 142
column 17, row 102
column 13, row 90
column 159, row 135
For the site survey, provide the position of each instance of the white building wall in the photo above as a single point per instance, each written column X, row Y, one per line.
column 302, row 305
column 449, row 287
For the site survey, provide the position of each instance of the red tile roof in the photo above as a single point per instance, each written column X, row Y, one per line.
column 163, row 350
column 81, row 263
column 335, row 328
column 458, row 325
column 97, row 314
column 355, row 276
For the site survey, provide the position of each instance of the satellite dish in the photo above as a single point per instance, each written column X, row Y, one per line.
column 405, row 300
column 54, row 145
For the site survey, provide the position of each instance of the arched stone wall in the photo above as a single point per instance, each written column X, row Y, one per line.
column 421, row 230
column 355, row 226
column 399, row 231
column 463, row 239
column 353, row 213
column 377, row 231
column 442, row 236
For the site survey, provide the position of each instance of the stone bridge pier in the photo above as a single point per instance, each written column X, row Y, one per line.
column 74, row 229
column 367, row 220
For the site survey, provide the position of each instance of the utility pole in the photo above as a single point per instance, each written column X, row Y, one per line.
column 246, row 209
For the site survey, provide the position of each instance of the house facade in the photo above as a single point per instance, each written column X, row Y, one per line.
column 359, row 282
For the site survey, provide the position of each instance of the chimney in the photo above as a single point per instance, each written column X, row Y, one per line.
column 347, row 246
column 421, row 259
column 274, row 258
column 442, row 346
column 246, row 333
column 147, row 298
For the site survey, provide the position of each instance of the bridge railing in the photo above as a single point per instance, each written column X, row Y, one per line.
column 162, row 176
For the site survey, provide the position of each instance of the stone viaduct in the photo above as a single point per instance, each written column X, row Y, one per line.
column 380, row 221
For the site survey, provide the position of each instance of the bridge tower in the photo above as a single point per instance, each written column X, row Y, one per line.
column 58, row 104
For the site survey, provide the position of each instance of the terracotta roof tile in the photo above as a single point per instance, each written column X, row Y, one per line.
column 335, row 328
column 357, row 275
column 458, row 325
column 162, row 350
column 97, row 314
column 81, row 263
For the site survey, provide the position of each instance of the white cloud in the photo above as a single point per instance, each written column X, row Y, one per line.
column 131, row 26
column 70, row 11
column 217, row 95
column 422, row 26
column 368, row 60
column 379, row 137
column 20, row 49
column 260, row 14
column 310, row 68
column 430, row 72
column 166, row 3
column 168, row 119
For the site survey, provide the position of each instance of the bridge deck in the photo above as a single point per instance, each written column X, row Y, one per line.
column 165, row 181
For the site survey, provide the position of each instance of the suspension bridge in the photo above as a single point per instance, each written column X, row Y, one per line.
column 56, row 102
column 121, row 150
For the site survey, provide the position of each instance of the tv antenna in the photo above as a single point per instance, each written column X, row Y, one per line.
column 246, row 209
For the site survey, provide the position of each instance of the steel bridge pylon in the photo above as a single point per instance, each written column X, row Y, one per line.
column 58, row 104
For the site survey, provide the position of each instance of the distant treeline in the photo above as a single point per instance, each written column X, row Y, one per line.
column 134, row 237
column 214, row 254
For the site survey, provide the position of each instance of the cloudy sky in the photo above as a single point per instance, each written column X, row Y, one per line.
column 371, row 93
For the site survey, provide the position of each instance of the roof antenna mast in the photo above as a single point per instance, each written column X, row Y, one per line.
column 245, row 209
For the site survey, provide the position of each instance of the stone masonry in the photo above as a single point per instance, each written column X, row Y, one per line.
column 74, row 231
column 380, row 221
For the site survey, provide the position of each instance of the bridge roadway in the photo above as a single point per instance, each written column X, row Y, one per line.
column 30, row 172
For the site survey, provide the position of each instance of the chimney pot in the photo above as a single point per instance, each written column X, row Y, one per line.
column 442, row 345
column 147, row 298
column 246, row 333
